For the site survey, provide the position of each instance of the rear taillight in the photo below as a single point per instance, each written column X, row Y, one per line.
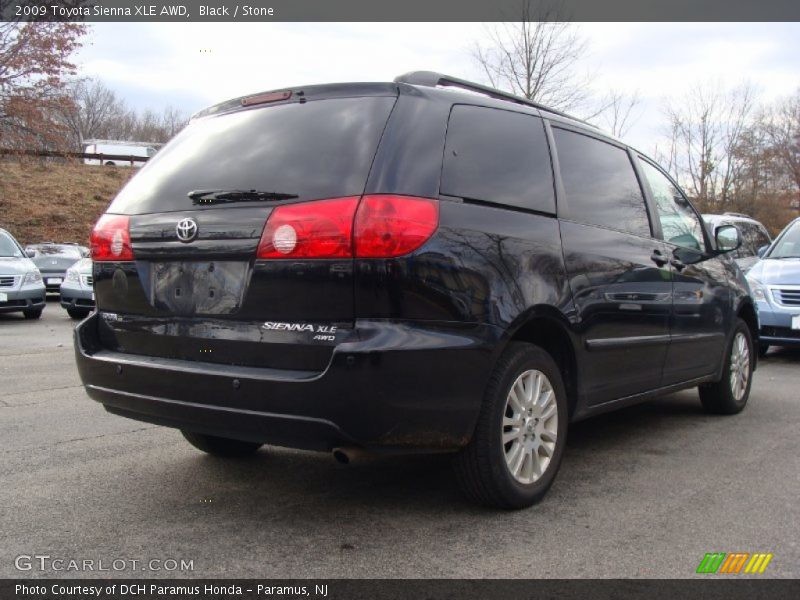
column 111, row 238
column 321, row 229
column 388, row 226
column 379, row 226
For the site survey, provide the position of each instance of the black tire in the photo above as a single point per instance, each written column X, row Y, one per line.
column 78, row 313
column 762, row 350
column 718, row 397
column 481, row 466
column 220, row 446
column 34, row 313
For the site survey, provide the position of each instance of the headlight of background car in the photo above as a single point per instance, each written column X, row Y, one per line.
column 32, row 277
column 759, row 292
column 72, row 275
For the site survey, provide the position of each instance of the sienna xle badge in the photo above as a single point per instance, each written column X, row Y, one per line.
column 405, row 267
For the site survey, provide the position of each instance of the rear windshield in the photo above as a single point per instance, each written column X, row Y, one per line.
column 312, row 150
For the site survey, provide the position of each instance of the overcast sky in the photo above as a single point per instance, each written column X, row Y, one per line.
column 193, row 65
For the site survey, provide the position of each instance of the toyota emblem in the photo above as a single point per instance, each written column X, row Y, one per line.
column 186, row 230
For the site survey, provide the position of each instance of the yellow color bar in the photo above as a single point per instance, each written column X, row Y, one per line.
column 758, row 563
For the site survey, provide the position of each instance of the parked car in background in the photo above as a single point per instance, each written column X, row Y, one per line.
column 754, row 236
column 53, row 259
column 775, row 283
column 145, row 150
column 398, row 267
column 77, row 291
column 21, row 286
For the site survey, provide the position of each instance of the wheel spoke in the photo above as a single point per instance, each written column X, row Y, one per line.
column 516, row 464
column 548, row 411
column 514, row 402
column 509, row 436
column 548, row 436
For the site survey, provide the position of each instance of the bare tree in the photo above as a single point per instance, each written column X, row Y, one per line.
column 536, row 57
column 95, row 112
column 618, row 112
column 782, row 126
column 707, row 125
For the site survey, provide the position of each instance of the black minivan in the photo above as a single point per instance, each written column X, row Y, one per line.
column 427, row 265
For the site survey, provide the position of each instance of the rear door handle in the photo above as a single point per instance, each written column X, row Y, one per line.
column 658, row 258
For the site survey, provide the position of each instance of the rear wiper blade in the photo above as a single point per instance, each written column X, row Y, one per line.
column 224, row 196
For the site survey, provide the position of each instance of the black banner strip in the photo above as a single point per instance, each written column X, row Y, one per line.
column 404, row 10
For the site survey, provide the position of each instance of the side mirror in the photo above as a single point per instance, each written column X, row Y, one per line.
column 762, row 251
column 727, row 238
column 30, row 253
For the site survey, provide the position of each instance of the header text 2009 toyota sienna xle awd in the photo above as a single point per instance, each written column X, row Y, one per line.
column 404, row 266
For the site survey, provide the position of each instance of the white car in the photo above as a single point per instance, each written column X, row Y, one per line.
column 113, row 148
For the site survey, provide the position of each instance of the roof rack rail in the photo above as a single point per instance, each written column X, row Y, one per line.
column 433, row 79
column 737, row 214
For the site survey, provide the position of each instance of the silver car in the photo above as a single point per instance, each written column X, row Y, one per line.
column 21, row 286
column 53, row 260
column 77, row 291
column 775, row 283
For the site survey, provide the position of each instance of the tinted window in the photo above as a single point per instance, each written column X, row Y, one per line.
column 789, row 243
column 600, row 185
column 7, row 246
column 318, row 149
column 498, row 156
column 679, row 223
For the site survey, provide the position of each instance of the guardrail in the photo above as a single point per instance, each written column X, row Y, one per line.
column 82, row 155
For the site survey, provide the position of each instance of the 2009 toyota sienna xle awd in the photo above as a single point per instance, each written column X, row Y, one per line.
column 404, row 266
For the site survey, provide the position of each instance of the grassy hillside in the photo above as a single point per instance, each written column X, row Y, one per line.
column 59, row 202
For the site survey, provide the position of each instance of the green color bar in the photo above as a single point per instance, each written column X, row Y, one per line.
column 711, row 562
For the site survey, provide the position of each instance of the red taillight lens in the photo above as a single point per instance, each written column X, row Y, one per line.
column 111, row 238
column 321, row 229
column 382, row 227
column 388, row 226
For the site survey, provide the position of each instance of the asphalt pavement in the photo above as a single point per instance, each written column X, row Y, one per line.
column 643, row 492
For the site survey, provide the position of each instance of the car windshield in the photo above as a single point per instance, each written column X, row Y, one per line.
column 58, row 250
column 8, row 247
column 788, row 246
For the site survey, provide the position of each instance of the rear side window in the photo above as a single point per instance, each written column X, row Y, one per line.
column 600, row 185
column 498, row 156
column 312, row 150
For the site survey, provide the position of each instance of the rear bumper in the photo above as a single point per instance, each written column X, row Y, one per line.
column 24, row 299
column 400, row 387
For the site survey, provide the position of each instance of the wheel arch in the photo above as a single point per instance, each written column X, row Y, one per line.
column 549, row 329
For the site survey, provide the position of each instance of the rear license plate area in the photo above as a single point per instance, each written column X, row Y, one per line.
column 188, row 288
